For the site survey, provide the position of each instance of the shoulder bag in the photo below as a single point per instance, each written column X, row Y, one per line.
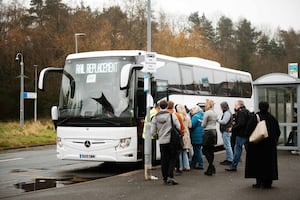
column 176, row 138
column 260, row 132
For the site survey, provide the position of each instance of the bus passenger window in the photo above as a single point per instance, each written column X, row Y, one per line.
column 203, row 78
column 170, row 72
column 233, row 85
column 221, row 85
column 187, row 79
column 245, row 86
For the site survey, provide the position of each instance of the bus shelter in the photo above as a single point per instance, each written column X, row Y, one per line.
column 282, row 91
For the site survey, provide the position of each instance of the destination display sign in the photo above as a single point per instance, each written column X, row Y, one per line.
column 96, row 68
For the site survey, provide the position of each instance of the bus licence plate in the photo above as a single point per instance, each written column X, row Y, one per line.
column 86, row 156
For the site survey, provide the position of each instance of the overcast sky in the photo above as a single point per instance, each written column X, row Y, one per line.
column 282, row 13
column 261, row 13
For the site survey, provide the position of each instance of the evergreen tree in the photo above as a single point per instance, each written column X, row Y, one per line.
column 203, row 26
column 246, row 40
column 225, row 41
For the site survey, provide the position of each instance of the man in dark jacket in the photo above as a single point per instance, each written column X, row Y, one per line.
column 239, row 130
column 261, row 158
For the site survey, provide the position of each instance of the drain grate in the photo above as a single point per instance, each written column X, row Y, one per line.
column 45, row 183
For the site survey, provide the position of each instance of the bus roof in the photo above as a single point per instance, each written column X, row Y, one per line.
column 184, row 60
column 92, row 54
column 199, row 61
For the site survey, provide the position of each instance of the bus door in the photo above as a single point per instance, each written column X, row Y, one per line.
column 159, row 90
column 140, row 113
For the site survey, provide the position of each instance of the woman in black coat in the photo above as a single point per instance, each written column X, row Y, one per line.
column 261, row 158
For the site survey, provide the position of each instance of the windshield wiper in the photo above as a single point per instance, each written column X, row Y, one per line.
column 61, row 122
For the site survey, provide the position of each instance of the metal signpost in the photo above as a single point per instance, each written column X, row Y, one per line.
column 26, row 95
column 150, row 67
column 21, row 89
column 76, row 42
column 35, row 90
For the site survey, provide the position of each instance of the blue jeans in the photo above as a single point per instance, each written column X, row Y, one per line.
column 184, row 160
column 227, row 146
column 197, row 159
column 238, row 149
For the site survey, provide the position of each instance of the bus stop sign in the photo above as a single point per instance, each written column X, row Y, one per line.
column 29, row 95
column 150, row 62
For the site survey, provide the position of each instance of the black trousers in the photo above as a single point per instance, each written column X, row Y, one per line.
column 208, row 151
column 209, row 141
column 168, row 160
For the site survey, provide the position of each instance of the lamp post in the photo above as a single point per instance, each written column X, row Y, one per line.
column 21, row 89
column 35, row 90
column 76, row 43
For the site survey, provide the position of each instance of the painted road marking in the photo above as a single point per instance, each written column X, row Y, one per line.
column 12, row 159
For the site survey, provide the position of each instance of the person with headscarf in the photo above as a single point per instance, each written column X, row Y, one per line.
column 261, row 157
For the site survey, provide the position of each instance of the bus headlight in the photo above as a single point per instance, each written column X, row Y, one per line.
column 59, row 142
column 123, row 143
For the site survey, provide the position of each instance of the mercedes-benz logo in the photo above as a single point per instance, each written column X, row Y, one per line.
column 87, row 144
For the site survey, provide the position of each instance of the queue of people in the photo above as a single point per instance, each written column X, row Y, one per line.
column 199, row 132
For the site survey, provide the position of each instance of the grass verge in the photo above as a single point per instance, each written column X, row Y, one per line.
column 33, row 133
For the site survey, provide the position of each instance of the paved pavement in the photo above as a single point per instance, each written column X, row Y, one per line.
column 192, row 185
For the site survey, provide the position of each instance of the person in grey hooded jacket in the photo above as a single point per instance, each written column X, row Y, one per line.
column 161, row 126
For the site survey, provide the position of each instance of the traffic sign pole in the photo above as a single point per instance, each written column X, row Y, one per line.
column 147, row 140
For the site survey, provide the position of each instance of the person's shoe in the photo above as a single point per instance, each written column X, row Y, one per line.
column 208, row 173
column 231, row 169
column 267, row 186
column 213, row 169
column 256, row 185
column 172, row 181
column 226, row 162
column 201, row 168
column 210, row 170
column 178, row 173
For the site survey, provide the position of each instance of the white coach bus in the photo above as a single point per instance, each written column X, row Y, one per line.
column 102, row 102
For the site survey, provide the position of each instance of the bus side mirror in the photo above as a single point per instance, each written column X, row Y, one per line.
column 44, row 73
column 124, row 76
column 54, row 113
column 126, row 73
